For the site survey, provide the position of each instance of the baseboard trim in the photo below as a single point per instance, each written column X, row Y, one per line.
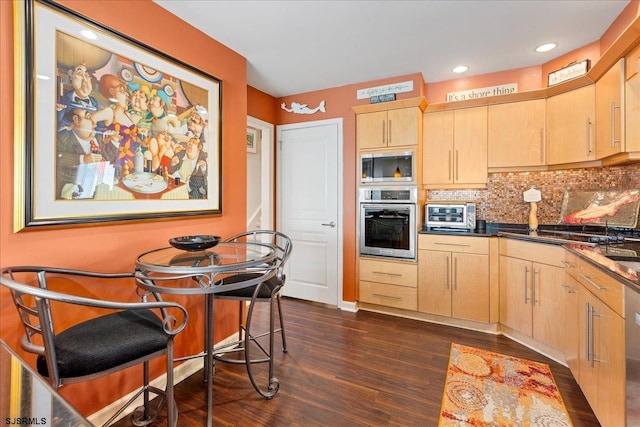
column 180, row 373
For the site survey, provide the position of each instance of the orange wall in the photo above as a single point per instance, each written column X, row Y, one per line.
column 339, row 103
column 114, row 247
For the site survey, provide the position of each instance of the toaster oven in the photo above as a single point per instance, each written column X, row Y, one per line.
column 456, row 215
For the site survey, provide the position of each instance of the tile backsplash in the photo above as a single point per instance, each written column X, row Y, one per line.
column 502, row 200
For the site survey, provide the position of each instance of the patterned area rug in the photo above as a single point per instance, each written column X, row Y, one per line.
column 491, row 389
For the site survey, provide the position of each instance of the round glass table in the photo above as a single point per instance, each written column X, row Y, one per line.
column 162, row 271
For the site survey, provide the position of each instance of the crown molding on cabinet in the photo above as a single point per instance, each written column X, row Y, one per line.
column 419, row 102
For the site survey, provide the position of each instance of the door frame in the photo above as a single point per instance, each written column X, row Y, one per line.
column 341, row 304
column 266, row 165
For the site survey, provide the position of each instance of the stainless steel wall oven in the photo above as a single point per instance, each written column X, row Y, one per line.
column 388, row 222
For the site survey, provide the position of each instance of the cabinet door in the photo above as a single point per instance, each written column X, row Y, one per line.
column 570, row 124
column 589, row 340
column 632, row 109
column 470, row 146
column 371, row 130
column 516, row 134
column 403, row 126
column 515, row 294
column 470, row 287
column 609, row 113
column 434, row 282
column 611, row 376
column 572, row 325
column 548, row 305
column 437, row 149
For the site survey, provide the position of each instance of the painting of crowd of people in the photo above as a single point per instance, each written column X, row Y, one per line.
column 119, row 119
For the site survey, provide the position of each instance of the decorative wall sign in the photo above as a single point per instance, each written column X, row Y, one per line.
column 112, row 130
column 382, row 90
column 382, row 98
column 484, row 92
column 571, row 71
column 297, row 108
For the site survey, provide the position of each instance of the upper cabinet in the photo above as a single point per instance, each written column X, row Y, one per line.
column 632, row 101
column 570, row 126
column 610, row 112
column 455, row 148
column 389, row 125
column 516, row 134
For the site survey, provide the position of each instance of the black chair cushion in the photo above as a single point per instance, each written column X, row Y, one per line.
column 106, row 342
column 265, row 290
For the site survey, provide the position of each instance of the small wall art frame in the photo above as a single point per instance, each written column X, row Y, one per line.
column 107, row 128
column 252, row 141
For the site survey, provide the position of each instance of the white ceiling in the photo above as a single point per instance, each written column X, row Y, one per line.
column 298, row 46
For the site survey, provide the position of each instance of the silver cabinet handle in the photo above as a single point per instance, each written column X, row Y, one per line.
column 526, row 284
column 588, row 137
column 592, row 283
column 533, row 287
column 448, row 272
column 332, row 224
column 613, row 124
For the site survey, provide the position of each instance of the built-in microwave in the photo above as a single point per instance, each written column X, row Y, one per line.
column 388, row 167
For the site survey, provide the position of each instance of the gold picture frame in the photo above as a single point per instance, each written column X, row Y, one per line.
column 107, row 128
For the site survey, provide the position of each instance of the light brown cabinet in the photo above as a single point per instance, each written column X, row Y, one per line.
column 572, row 286
column 600, row 347
column 570, row 126
column 392, row 128
column 632, row 101
column 531, row 292
column 610, row 112
column 516, row 134
column 453, row 276
column 388, row 283
column 455, row 148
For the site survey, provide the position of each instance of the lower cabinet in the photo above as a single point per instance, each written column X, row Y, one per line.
column 389, row 283
column 601, row 341
column 531, row 293
column 453, row 276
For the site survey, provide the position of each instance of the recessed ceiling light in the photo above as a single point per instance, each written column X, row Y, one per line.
column 460, row 69
column 546, row 47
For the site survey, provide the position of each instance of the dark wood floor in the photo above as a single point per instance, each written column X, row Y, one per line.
column 355, row 369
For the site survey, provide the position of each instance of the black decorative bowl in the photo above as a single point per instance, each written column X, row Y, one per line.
column 194, row 243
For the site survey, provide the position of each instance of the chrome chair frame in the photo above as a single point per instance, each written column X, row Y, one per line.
column 265, row 291
column 38, row 320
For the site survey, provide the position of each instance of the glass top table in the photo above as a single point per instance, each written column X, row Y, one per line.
column 174, row 271
column 29, row 399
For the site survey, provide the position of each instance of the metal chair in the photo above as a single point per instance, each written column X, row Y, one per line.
column 264, row 291
column 97, row 346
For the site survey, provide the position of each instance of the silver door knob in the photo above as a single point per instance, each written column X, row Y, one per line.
column 331, row 224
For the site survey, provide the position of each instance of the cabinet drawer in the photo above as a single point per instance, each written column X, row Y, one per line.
column 389, row 295
column 603, row 286
column 462, row 244
column 392, row 273
column 572, row 263
column 537, row 252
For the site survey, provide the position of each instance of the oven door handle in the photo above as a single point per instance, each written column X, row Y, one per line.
column 332, row 224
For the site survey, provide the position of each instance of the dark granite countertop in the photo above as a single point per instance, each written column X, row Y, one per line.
column 616, row 259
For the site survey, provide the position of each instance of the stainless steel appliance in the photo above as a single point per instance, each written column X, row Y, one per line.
column 632, row 352
column 388, row 222
column 388, row 167
column 456, row 215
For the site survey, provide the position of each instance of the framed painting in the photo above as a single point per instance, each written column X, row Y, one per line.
column 109, row 129
column 252, row 141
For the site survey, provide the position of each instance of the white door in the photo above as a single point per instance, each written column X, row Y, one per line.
column 309, row 208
